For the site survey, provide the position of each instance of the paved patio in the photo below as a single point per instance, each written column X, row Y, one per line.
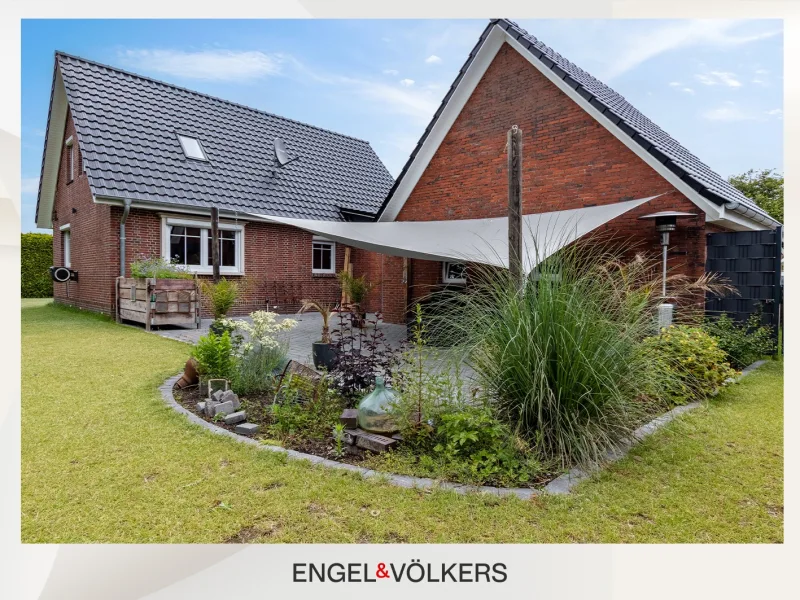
column 307, row 331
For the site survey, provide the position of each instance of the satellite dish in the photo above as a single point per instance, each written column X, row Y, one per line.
column 281, row 155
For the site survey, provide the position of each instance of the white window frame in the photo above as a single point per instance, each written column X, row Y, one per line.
column 182, row 137
column 70, row 158
column 454, row 280
column 66, row 245
column 320, row 240
column 205, row 267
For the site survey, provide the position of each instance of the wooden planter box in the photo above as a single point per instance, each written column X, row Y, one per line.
column 158, row 301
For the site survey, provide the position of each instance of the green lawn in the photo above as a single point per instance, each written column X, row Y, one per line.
column 104, row 460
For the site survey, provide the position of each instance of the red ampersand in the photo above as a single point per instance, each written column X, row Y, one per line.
column 382, row 573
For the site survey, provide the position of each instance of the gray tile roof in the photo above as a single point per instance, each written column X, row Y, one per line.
column 127, row 127
column 620, row 112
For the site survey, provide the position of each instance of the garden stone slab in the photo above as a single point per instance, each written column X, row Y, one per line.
column 229, row 396
column 201, row 407
column 217, row 396
column 224, row 408
column 249, row 429
column 236, row 417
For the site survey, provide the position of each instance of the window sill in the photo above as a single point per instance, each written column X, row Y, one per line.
column 222, row 272
column 323, row 275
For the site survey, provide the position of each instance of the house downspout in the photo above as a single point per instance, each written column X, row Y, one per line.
column 124, row 218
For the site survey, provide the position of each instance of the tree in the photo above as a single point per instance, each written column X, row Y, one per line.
column 764, row 187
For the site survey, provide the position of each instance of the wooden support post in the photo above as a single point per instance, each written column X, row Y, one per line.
column 215, row 242
column 515, row 203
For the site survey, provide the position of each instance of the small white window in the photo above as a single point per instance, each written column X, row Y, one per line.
column 70, row 159
column 453, row 272
column 192, row 148
column 66, row 246
column 323, row 257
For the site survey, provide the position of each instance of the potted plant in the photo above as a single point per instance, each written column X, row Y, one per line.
column 323, row 352
column 357, row 289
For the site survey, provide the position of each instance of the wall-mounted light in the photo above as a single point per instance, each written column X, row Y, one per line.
column 666, row 222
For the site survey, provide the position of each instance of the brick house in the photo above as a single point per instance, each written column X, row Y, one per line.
column 584, row 146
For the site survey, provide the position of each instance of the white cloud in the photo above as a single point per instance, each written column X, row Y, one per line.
column 30, row 185
column 406, row 82
column 391, row 72
column 433, row 60
column 675, row 84
column 688, row 90
column 761, row 72
column 645, row 45
column 775, row 112
column 719, row 78
column 217, row 65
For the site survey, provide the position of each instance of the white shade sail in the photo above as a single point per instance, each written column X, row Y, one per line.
column 468, row 240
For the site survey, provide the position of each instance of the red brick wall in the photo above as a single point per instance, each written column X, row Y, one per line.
column 570, row 161
column 92, row 239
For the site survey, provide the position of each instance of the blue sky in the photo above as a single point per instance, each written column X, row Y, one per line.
column 715, row 86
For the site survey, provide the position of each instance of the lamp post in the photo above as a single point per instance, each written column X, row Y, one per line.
column 666, row 222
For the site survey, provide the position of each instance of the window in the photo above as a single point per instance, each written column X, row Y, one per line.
column 70, row 159
column 453, row 272
column 66, row 246
column 192, row 148
column 323, row 256
column 188, row 243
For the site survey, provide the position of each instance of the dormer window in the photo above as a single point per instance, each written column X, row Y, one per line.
column 192, row 148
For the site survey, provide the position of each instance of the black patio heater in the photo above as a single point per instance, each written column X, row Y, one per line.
column 666, row 222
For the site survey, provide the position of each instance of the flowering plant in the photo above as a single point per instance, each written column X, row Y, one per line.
column 262, row 331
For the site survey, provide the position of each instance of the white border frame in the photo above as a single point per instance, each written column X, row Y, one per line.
column 449, row 280
column 320, row 240
column 239, row 269
column 66, row 257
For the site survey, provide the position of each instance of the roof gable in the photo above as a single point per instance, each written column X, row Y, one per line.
column 686, row 172
column 128, row 126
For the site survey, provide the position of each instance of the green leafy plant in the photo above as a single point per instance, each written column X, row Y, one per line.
column 356, row 287
column 36, row 257
column 220, row 297
column 338, row 438
column 214, row 356
column 305, row 408
column 158, row 268
column 473, row 439
column 257, row 368
column 743, row 343
column 699, row 365
column 765, row 187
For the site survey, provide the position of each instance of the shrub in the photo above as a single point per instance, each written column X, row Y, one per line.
column 743, row 343
column 558, row 353
column 219, row 297
column 158, row 268
column 36, row 259
column 302, row 407
column 475, row 443
column 256, row 369
column 694, row 357
column 214, row 355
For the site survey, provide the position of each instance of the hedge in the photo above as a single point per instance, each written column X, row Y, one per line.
column 37, row 258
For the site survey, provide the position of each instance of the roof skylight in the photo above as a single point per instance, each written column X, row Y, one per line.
column 192, row 148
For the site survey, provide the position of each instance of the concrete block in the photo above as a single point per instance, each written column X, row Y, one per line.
column 247, row 428
column 201, row 407
column 224, row 408
column 349, row 418
column 236, row 417
column 229, row 396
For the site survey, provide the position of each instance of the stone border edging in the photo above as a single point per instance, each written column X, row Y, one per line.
column 405, row 481
column 563, row 484
column 559, row 486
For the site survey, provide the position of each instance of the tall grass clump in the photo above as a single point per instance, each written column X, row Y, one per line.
column 559, row 354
